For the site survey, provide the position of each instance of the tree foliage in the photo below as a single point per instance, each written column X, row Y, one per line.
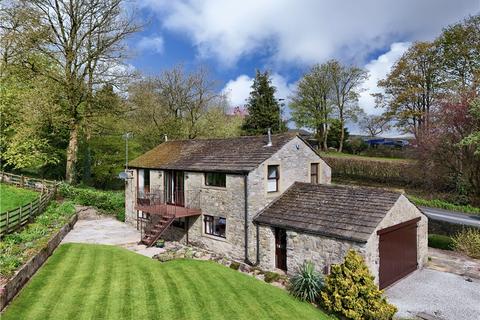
column 311, row 103
column 328, row 91
column 263, row 108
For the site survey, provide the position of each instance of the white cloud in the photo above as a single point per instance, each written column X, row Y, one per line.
column 378, row 69
column 305, row 31
column 153, row 43
column 239, row 89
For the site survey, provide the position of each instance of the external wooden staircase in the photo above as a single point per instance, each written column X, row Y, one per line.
column 156, row 229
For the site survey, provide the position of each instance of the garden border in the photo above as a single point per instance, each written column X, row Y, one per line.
column 13, row 286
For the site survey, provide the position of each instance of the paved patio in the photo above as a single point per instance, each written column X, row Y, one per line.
column 441, row 295
column 99, row 229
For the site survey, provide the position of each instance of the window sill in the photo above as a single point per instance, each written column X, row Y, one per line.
column 209, row 236
column 214, row 188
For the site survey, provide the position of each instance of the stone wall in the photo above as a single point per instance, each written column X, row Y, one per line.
column 267, row 247
column 130, row 195
column 402, row 211
column 294, row 161
column 322, row 251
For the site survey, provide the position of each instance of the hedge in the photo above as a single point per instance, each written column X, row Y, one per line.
column 376, row 170
column 108, row 202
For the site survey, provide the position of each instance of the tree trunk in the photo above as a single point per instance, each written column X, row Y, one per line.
column 342, row 133
column 72, row 154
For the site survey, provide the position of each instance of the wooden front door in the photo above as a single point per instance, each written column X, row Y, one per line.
column 281, row 249
column 398, row 252
column 175, row 187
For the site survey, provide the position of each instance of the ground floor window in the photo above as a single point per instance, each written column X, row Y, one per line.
column 179, row 223
column 215, row 226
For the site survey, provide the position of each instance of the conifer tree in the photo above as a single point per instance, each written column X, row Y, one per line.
column 350, row 290
column 263, row 108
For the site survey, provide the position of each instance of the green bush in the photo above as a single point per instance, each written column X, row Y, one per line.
column 468, row 242
column 234, row 265
column 440, row 242
column 18, row 247
column 307, row 283
column 271, row 276
column 109, row 202
column 350, row 290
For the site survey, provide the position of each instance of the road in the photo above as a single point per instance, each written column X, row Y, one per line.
column 452, row 216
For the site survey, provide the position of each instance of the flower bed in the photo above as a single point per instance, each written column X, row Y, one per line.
column 31, row 248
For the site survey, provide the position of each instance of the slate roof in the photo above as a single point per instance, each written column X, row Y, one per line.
column 240, row 154
column 342, row 212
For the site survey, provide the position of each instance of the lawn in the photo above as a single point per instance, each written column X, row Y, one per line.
column 83, row 281
column 12, row 197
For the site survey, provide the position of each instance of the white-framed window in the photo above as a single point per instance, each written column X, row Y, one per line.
column 215, row 226
column 273, row 177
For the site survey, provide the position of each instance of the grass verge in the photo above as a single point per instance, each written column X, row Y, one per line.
column 436, row 203
column 12, row 197
column 104, row 282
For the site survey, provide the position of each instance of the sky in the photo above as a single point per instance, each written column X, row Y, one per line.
column 234, row 38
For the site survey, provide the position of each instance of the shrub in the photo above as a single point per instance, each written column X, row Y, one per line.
column 440, row 242
column 109, row 202
column 350, row 291
column 271, row 276
column 234, row 265
column 468, row 242
column 307, row 283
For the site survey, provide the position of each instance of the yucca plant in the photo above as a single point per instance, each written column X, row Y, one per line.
column 307, row 283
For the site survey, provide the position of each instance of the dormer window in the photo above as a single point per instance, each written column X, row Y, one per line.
column 273, row 178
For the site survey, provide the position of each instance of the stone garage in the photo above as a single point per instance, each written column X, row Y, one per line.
column 321, row 223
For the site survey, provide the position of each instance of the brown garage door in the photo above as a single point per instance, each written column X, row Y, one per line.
column 398, row 251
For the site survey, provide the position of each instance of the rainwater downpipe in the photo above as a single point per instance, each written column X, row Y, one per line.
column 247, row 260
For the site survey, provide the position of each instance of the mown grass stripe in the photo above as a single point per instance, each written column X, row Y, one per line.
column 250, row 300
column 125, row 285
column 58, row 289
column 216, row 293
column 151, row 294
column 105, row 283
column 33, row 298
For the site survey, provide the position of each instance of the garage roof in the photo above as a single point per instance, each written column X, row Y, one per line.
column 342, row 212
column 239, row 154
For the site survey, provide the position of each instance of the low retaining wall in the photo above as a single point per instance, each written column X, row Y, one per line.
column 9, row 290
column 445, row 228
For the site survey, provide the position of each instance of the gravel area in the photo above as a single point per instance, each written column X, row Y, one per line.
column 440, row 294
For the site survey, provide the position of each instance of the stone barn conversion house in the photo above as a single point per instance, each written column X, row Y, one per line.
column 207, row 191
column 321, row 223
column 266, row 200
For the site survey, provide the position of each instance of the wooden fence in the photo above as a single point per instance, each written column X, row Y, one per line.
column 17, row 218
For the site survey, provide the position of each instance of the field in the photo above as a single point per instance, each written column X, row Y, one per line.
column 12, row 197
column 84, row 281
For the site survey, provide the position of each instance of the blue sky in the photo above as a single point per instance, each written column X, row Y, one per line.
column 233, row 38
